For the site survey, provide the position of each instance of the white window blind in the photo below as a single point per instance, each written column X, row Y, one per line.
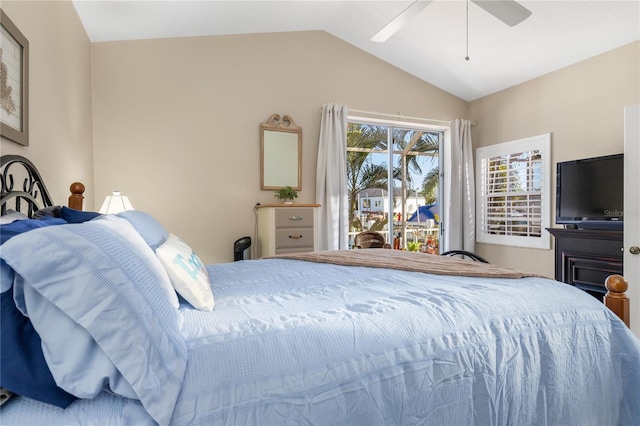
column 513, row 187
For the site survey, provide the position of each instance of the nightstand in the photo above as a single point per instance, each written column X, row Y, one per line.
column 287, row 228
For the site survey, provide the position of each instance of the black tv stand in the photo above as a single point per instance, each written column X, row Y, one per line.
column 586, row 257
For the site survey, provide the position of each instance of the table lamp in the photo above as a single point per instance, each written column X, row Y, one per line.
column 115, row 203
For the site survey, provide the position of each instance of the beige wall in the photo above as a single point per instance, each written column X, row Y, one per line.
column 176, row 121
column 581, row 106
column 60, row 95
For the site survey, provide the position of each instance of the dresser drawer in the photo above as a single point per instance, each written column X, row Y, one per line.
column 287, row 228
column 294, row 250
column 589, row 272
column 294, row 237
column 293, row 217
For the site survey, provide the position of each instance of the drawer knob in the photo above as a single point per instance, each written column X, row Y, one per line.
column 634, row 250
column 296, row 217
column 295, row 237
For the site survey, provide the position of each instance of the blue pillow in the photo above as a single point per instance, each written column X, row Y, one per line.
column 152, row 232
column 112, row 275
column 76, row 216
column 12, row 229
column 23, row 369
column 19, row 226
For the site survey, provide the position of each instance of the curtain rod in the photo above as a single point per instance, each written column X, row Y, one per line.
column 401, row 116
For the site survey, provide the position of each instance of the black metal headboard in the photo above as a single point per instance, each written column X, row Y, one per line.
column 32, row 196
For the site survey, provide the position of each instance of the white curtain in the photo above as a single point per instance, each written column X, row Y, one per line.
column 331, row 179
column 459, row 189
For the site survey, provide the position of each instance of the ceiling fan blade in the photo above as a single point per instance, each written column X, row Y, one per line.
column 508, row 11
column 399, row 21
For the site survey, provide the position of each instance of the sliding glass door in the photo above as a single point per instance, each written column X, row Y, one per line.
column 394, row 191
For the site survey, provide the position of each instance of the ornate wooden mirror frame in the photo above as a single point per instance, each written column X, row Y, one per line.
column 280, row 153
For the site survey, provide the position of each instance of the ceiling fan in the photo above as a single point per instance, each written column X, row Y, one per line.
column 508, row 11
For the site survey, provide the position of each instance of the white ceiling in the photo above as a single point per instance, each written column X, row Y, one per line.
column 432, row 46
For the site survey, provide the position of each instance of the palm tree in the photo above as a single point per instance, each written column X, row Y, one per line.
column 361, row 174
column 430, row 186
column 421, row 142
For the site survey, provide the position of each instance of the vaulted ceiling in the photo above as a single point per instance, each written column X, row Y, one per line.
column 432, row 45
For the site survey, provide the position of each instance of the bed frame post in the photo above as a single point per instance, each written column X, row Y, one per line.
column 615, row 299
column 76, row 198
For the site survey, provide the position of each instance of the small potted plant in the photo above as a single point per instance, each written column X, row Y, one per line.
column 287, row 194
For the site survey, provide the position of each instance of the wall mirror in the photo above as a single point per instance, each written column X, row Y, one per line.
column 280, row 153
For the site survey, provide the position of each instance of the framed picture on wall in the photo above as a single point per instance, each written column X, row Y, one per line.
column 14, row 82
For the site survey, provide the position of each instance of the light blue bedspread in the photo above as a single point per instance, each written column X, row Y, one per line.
column 293, row 343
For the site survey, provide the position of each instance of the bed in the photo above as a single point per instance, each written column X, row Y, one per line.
column 293, row 340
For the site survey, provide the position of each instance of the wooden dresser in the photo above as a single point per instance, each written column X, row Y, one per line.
column 287, row 228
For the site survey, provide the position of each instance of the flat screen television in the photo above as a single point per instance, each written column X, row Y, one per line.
column 590, row 192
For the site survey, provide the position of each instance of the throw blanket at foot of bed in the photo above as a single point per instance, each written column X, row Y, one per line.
column 408, row 261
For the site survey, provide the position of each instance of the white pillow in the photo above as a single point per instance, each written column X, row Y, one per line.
column 188, row 275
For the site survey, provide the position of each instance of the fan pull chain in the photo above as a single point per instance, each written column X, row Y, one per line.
column 466, row 58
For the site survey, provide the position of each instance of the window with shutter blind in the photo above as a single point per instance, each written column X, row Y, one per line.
column 513, row 192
